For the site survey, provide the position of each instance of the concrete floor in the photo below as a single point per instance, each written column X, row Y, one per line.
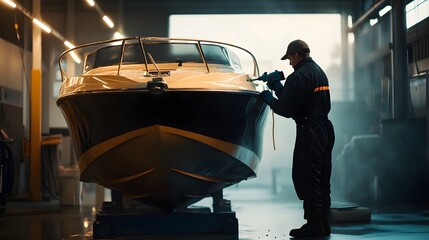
column 261, row 215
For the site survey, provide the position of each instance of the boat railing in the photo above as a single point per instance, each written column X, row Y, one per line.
column 86, row 50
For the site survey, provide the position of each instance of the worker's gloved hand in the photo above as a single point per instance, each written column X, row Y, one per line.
column 275, row 85
column 267, row 97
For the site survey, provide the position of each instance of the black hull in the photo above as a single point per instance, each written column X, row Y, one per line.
column 168, row 149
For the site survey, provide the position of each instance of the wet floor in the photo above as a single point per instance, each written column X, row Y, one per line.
column 261, row 214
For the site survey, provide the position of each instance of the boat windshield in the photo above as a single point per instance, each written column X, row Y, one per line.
column 161, row 52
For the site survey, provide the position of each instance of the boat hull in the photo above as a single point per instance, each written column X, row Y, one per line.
column 169, row 149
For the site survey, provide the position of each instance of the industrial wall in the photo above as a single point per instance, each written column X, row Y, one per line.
column 387, row 163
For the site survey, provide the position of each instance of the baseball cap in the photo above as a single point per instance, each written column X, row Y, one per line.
column 296, row 46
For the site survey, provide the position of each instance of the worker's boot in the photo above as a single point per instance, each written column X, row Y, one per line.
column 327, row 228
column 326, row 222
column 313, row 228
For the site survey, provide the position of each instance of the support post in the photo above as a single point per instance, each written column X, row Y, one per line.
column 401, row 84
column 36, row 111
column 35, row 135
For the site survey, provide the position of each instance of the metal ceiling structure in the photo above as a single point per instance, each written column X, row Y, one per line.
column 212, row 6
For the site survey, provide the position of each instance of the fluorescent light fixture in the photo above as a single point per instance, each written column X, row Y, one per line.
column 68, row 44
column 10, row 3
column 75, row 57
column 108, row 21
column 42, row 25
column 385, row 10
column 351, row 38
column 349, row 21
column 118, row 35
column 90, row 2
column 373, row 21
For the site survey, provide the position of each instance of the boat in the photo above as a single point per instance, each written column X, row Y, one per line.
column 165, row 121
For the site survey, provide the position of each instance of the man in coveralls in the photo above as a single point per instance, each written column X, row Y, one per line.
column 305, row 98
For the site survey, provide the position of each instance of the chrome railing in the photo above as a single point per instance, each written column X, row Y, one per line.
column 142, row 41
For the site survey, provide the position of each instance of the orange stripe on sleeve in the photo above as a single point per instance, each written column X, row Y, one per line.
column 321, row 88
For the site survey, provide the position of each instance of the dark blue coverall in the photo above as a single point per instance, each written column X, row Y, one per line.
column 305, row 98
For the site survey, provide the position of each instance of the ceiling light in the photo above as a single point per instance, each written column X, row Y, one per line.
column 108, row 21
column 351, row 38
column 118, row 35
column 349, row 21
column 385, row 10
column 373, row 21
column 75, row 57
column 90, row 2
column 69, row 45
column 42, row 25
column 10, row 3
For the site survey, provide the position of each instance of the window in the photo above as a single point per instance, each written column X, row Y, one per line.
column 416, row 11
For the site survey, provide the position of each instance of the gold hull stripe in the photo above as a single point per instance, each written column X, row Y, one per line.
column 234, row 150
column 201, row 177
column 130, row 178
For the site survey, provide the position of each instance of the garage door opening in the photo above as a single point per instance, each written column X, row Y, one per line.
column 267, row 36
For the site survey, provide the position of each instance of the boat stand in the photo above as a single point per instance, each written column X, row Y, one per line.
column 192, row 223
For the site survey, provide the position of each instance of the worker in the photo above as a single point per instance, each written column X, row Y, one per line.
column 305, row 98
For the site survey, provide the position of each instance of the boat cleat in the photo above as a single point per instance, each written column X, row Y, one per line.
column 157, row 85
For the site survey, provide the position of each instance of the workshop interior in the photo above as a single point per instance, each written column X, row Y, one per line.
column 143, row 119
